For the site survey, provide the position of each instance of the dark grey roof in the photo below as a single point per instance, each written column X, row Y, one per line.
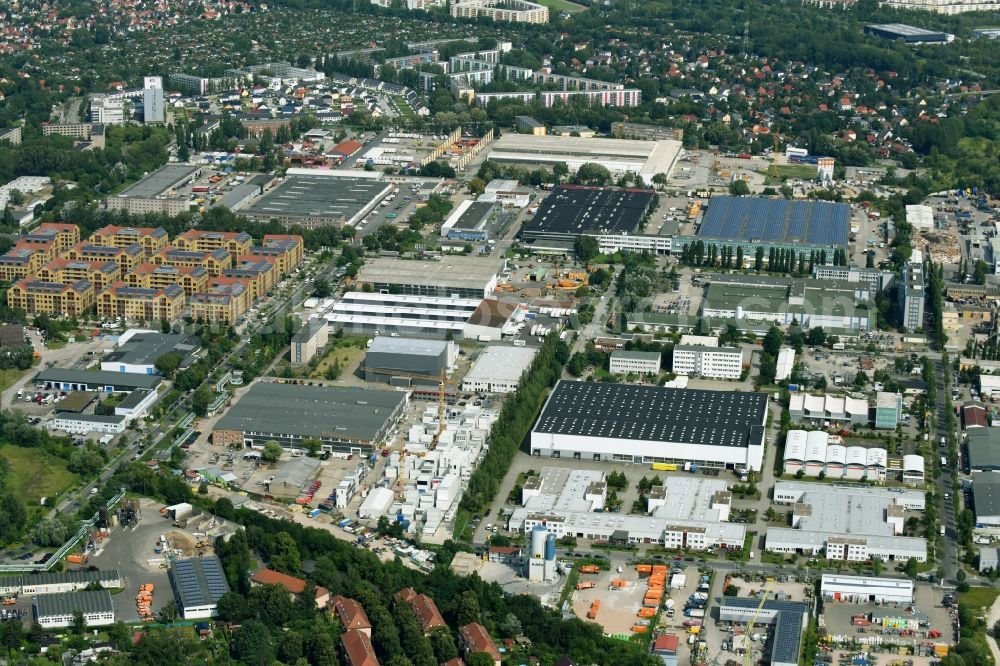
column 324, row 196
column 68, row 603
column 986, row 493
column 98, row 378
column 198, row 581
column 159, row 181
column 81, row 577
column 654, row 413
column 786, row 642
column 312, row 411
column 984, row 449
column 572, row 210
column 308, row 330
column 134, row 398
column 145, row 348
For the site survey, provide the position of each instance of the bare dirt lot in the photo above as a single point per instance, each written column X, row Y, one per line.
column 618, row 608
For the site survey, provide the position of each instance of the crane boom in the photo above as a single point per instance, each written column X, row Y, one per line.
column 764, row 594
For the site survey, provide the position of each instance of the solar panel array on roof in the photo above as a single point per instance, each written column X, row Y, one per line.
column 750, row 219
column 654, row 413
column 571, row 211
column 788, row 617
column 198, row 581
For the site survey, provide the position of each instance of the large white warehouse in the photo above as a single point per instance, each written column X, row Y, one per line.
column 651, row 424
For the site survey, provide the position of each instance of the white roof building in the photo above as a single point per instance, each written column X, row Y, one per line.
column 865, row 590
column 785, row 363
column 920, row 217
column 803, row 406
column 812, row 454
column 499, row 369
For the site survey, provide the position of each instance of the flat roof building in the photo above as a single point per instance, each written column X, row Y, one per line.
column 619, row 156
column 367, row 313
column 343, row 419
column 309, row 340
column 318, row 200
column 198, row 584
column 53, row 611
column 498, row 369
column 983, row 445
column 470, row 221
column 753, row 221
column 448, row 277
column 908, row 33
column 408, row 356
column 866, row 590
column 138, row 351
column 789, row 619
column 647, row 424
column 986, row 496
column 95, row 380
column 849, row 523
column 623, row 362
column 571, row 211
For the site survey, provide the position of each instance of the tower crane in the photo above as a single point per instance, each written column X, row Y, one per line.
column 764, row 594
column 442, row 382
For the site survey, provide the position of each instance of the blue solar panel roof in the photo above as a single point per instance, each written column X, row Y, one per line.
column 750, row 219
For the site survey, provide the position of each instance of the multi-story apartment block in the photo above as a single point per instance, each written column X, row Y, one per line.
column 214, row 261
column 514, row 11
column 101, row 274
column 55, row 298
column 626, row 98
column 60, row 237
column 911, row 297
column 20, row 262
column 287, row 249
column 149, row 239
column 126, row 257
column 260, row 275
column 141, row 304
column 237, row 243
column 190, row 279
column 225, row 301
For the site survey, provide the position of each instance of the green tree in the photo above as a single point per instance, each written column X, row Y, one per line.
column 200, row 400
column 476, row 186
column 586, row 248
column 169, row 612
column 467, row 608
column 233, row 607
column 479, row 659
column 285, row 554
column 272, row 451
column 739, row 188
column 251, row 644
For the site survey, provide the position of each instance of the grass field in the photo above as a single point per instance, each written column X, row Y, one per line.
column 562, row 6
column 800, row 171
column 11, row 375
column 978, row 598
column 36, row 474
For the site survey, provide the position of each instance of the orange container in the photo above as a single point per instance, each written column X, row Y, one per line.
column 647, row 612
column 639, row 629
column 644, row 568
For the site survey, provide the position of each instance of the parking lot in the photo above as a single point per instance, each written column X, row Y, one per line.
column 837, row 617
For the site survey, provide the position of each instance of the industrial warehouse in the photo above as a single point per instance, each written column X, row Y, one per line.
column 619, row 156
column 652, row 424
column 571, row 211
column 752, row 222
column 348, row 420
column 850, row 523
column 312, row 200
column 446, row 277
column 685, row 512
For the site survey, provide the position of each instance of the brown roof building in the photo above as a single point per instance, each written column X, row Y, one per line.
column 351, row 614
column 295, row 586
column 474, row 638
column 423, row 607
column 358, row 647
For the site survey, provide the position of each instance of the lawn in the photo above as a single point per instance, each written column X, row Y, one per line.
column 562, row 6
column 978, row 598
column 36, row 474
column 800, row 171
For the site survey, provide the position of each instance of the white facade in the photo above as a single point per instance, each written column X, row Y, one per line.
column 499, row 369
column 785, row 363
column 57, row 611
column 643, row 363
column 152, row 100
column 805, row 407
column 106, row 110
column 81, row 424
column 812, row 454
column 715, row 362
column 865, row 590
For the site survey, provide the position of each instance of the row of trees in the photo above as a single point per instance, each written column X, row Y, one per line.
column 779, row 260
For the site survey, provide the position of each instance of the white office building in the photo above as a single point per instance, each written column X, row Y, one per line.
column 499, row 369
column 82, row 424
column 643, row 363
column 708, row 359
column 848, row 523
column 106, row 110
